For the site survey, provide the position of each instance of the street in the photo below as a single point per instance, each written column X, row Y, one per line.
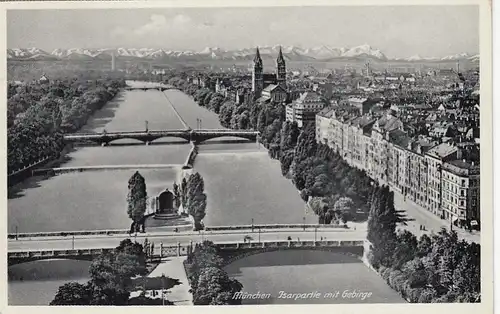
column 184, row 238
column 431, row 222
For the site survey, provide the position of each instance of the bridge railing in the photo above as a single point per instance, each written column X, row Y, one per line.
column 57, row 253
column 256, row 227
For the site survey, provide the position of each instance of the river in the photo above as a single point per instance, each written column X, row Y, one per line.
column 242, row 184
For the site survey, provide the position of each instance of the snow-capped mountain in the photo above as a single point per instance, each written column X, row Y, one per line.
column 27, row 53
column 474, row 58
column 291, row 53
column 458, row 56
column 364, row 51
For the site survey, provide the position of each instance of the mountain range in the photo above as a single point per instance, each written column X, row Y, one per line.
column 291, row 53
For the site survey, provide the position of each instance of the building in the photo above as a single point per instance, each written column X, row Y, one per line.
column 360, row 129
column 461, row 192
column 380, row 136
column 43, row 79
column 273, row 93
column 441, row 178
column 261, row 80
column 362, row 104
column 304, row 109
column 435, row 158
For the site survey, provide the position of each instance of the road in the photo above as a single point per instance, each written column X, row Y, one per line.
column 171, row 239
column 431, row 222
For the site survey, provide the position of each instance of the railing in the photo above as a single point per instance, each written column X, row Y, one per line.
column 57, row 253
column 208, row 228
column 294, row 244
column 274, row 226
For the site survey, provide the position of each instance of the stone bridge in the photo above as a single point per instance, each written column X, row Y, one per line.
column 147, row 137
column 236, row 251
column 229, row 251
column 29, row 256
column 159, row 88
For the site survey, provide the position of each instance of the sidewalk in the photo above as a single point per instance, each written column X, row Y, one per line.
column 173, row 267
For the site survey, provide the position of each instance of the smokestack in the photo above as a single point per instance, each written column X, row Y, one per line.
column 113, row 62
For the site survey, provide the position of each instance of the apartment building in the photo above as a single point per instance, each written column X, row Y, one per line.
column 305, row 108
column 461, row 192
column 435, row 158
column 430, row 174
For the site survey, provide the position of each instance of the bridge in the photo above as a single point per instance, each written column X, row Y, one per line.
column 233, row 243
column 147, row 137
column 159, row 88
column 230, row 251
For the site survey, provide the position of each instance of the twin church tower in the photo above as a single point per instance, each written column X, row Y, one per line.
column 261, row 80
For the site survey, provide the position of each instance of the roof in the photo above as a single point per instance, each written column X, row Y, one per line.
column 269, row 77
column 461, row 167
column 399, row 138
column 271, row 87
column 326, row 112
column 263, row 99
column 362, row 121
column 442, row 150
column 309, row 97
column 389, row 123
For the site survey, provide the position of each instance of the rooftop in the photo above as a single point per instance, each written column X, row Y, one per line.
column 309, row 97
column 442, row 150
column 326, row 112
column 462, row 167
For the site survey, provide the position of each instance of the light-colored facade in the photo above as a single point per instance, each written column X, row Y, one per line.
column 304, row 109
column 426, row 173
column 435, row 158
column 461, row 191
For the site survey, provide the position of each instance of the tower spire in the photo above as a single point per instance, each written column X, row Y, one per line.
column 257, row 56
column 281, row 70
column 280, row 57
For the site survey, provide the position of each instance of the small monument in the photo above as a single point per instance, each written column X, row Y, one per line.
column 165, row 204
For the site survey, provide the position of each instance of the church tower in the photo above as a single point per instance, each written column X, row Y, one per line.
column 257, row 74
column 281, row 67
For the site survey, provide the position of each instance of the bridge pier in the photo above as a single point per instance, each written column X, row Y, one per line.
column 104, row 144
column 147, row 143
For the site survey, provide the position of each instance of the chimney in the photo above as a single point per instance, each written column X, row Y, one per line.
column 113, row 62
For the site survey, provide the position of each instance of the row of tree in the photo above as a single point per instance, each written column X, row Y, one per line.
column 439, row 268
column 110, row 279
column 191, row 195
column 210, row 284
column 39, row 114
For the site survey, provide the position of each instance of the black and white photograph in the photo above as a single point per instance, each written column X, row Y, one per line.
column 246, row 155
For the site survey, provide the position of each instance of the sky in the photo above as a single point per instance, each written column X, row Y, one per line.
column 398, row 31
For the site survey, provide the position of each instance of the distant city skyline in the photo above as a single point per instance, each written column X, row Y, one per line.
column 398, row 31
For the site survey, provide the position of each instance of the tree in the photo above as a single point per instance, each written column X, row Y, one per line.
column 196, row 199
column 136, row 200
column 72, row 293
column 345, row 208
column 177, row 195
column 184, row 193
column 216, row 288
